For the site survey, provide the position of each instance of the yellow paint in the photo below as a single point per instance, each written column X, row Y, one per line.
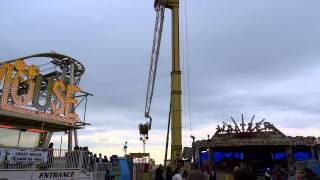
column 176, row 139
column 20, row 65
column 3, row 70
column 58, row 88
column 17, row 79
column 18, row 72
column 70, row 100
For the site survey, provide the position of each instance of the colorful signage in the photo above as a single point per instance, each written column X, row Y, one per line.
column 26, row 91
column 259, row 126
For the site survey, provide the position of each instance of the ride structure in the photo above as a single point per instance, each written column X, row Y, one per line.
column 43, row 96
column 40, row 95
column 175, row 99
column 260, row 144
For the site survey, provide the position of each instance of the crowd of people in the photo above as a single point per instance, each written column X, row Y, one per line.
column 178, row 174
column 79, row 156
column 242, row 172
column 92, row 156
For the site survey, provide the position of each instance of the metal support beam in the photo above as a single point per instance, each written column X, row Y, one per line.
column 144, row 146
column 72, row 82
column 289, row 157
column 47, row 139
column 176, row 137
column 69, row 139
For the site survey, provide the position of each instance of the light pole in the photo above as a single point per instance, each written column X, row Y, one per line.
column 125, row 147
column 144, row 145
column 193, row 149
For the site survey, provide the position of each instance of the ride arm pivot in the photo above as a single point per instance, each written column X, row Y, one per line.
column 160, row 8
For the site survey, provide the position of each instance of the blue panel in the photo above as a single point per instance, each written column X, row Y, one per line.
column 204, row 156
column 218, row 156
column 279, row 155
column 315, row 169
column 124, row 169
column 238, row 155
column 301, row 155
column 229, row 155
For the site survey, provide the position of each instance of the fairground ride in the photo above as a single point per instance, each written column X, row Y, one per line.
column 40, row 95
column 175, row 99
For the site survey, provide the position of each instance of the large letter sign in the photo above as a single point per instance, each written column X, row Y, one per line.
column 59, row 97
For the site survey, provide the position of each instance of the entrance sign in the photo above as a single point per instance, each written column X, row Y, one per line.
column 65, row 174
column 59, row 174
column 57, row 103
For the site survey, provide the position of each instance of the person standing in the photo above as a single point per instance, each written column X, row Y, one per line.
column 105, row 159
column 50, row 155
column 244, row 173
column 197, row 175
column 100, row 158
column 184, row 175
column 213, row 175
column 177, row 174
column 277, row 174
column 169, row 173
column 159, row 172
column 108, row 175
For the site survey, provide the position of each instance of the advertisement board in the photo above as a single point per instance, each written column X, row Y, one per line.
column 27, row 156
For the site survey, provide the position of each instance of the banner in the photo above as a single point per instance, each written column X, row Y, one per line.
column 27, row 156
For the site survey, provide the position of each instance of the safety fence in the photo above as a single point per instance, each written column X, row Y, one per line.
column 48, row 159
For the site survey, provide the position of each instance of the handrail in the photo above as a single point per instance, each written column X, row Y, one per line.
column 53, row 159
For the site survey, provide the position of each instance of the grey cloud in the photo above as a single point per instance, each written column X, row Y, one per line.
column 237, row 49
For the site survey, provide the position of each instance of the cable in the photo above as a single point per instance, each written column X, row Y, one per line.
column 167, row 138
column 184, row 89
column 188, row 66
column 44, row 64
column 42, row 70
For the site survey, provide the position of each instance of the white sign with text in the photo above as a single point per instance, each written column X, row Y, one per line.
column 26, row 156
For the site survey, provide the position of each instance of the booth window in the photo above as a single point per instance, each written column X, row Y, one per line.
column 18, row 138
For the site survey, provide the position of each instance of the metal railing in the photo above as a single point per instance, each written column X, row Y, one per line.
column 52, row 159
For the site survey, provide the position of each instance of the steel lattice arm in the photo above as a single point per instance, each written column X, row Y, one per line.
column 160, row 8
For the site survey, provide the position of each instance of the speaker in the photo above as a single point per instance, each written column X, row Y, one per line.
column 187, row 153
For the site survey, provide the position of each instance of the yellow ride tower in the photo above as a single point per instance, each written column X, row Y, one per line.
column 175, row 101
column 176, row 137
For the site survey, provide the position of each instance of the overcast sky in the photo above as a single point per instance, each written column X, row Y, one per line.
column 252, row 57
